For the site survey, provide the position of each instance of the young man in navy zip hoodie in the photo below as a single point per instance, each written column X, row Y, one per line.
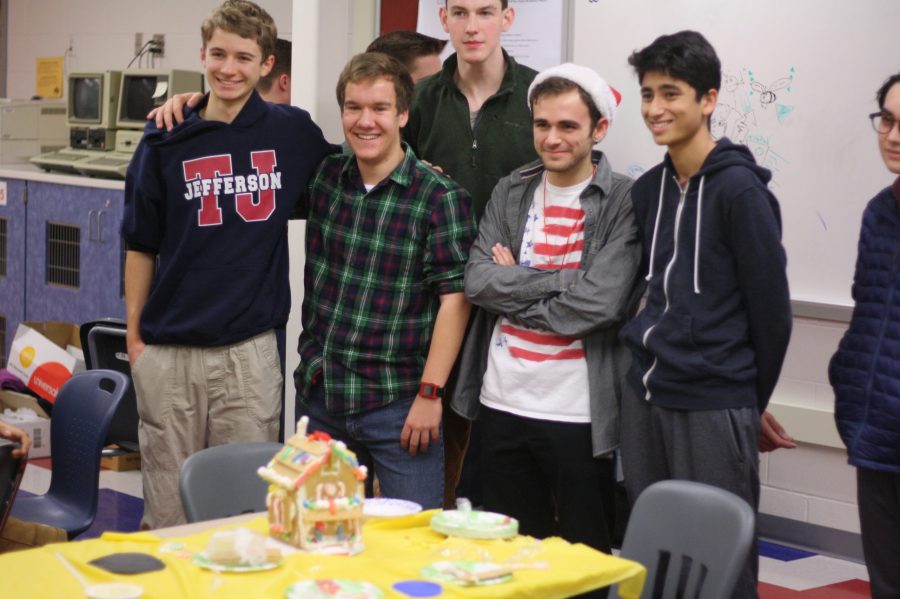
column 206, row 272
column 710, row 339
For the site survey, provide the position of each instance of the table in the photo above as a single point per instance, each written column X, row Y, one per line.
column 395, row 549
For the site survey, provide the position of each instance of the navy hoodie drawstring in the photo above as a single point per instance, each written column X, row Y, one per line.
column 659, row 209
column 697, row 237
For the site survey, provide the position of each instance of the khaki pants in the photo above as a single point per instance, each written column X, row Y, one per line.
column 190, row 398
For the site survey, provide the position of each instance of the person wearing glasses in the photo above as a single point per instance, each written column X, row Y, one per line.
column 864, row 371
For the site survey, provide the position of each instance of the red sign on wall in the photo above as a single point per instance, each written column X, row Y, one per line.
column 399, row 15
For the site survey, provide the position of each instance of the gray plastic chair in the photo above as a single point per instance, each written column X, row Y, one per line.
column 104, row 347
column 221, row 481
column 689, row 535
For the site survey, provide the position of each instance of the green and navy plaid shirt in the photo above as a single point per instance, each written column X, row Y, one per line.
column 376, row 264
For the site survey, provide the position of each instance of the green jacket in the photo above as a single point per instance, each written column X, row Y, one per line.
column 439, row 132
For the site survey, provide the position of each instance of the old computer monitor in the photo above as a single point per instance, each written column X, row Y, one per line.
column 141, row 91
column 93, row 100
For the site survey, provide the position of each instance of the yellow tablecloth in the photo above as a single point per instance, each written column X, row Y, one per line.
column 395, row 550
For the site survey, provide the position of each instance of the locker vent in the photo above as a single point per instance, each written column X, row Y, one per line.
column 63, row 255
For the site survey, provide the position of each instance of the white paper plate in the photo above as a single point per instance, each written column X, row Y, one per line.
column 113, row 590
column 474, row 524
column 448, row 571
column 336, row 587
column 204, row 562
column 384, row 507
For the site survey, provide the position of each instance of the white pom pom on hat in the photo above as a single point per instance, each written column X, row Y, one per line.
column 605, row 97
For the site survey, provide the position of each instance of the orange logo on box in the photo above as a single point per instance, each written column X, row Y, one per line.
column 48, row 378
column 26, row 356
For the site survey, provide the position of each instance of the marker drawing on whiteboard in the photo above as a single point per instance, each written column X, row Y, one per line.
column 822, row 220
column 767, row 92
column 744, row 114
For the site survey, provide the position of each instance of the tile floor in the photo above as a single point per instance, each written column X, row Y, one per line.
column 785, row 572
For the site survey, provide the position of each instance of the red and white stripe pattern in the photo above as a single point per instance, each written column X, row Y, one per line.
column 535, row 346
column 532, row 372
column 553, row 240
column 560, row 241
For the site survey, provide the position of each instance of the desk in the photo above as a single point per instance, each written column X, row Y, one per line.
column 395, row 550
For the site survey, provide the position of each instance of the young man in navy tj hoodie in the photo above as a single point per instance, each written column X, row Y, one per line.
column 709, row 342
column 206, row 272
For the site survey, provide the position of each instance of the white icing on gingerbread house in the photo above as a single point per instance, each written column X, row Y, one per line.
column 316, row 494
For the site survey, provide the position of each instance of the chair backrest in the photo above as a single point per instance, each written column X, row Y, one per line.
column 689, row 536
column 222, row 481
column 105, row 347
column 82, row 413
column 11, row 470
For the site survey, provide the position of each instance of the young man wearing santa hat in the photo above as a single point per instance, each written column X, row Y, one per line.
column 554, row 267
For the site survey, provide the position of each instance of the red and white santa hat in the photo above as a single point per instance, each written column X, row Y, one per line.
column 605, row 97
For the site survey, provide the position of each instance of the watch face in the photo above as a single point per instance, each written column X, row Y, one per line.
column 430, row 390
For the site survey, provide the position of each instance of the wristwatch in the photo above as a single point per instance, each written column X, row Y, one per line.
column 430, row 391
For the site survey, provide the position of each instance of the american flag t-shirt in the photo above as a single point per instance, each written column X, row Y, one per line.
column 531, row 372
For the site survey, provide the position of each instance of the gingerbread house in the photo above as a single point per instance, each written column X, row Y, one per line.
column 316, row 494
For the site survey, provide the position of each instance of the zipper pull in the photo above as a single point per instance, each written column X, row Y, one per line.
column 474, row 148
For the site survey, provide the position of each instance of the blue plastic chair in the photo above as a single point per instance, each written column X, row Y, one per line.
column 692, row 538
column 221, row 481
column 84, row 408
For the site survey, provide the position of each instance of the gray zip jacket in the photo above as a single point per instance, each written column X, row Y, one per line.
column 590, row 303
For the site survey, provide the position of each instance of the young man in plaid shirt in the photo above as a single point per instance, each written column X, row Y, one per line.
column 384, row 312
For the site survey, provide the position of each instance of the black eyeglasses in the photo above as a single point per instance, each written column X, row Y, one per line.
column 882, row 122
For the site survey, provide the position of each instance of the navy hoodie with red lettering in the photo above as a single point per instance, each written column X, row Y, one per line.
column 717, row 319
column 211, row 200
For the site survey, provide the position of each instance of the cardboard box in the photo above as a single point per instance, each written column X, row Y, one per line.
column 44, row 356
column 121, row 460
column 37, row 428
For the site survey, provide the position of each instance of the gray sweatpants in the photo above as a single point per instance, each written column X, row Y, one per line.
column 190, row 398
column 716, row 447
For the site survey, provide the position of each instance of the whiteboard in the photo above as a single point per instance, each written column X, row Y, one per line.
column 799, row 79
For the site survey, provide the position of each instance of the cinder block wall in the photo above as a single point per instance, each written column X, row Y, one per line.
column 812, row 485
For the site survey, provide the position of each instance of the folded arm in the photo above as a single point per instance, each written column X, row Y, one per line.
column 599, row 297
column 504, row 288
